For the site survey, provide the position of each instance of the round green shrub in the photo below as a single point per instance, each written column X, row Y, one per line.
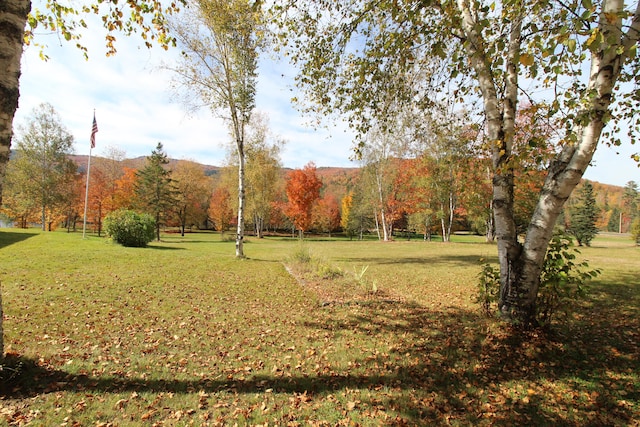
column 635, row 231
column 130, row 228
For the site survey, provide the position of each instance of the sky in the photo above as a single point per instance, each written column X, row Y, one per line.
column 130, row 94
column 132, row 99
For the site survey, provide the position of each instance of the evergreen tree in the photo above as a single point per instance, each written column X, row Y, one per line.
column 584, row 215
column 155, row 190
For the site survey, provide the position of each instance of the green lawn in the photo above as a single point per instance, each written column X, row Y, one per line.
column 182, row 333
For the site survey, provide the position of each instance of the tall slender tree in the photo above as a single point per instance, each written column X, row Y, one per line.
column 263, row 168
column 379, row 157
column 219, row 64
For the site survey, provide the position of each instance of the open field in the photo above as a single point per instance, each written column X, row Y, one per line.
column 182, row 333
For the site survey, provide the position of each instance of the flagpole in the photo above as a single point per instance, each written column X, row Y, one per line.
column 94, row 129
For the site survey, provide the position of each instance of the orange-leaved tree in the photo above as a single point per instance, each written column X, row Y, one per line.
column 303, row 190
column 99, row 198
column 124, row 195
column 326, row 214
column 221, row 209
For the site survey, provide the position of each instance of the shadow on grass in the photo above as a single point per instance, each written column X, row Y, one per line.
column 458, row 260
column 187, row 241
column 10, row 237
column 163, row 248
column 444, row 365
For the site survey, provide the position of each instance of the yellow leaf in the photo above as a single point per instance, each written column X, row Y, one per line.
column 526, row 59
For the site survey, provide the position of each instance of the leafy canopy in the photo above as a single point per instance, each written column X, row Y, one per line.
column 68, row 21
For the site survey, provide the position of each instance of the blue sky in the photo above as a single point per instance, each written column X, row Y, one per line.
column 131, row 96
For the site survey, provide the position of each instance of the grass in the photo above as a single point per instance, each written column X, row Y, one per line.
column 182, row 333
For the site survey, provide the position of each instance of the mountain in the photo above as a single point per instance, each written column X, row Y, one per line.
column 135, row 163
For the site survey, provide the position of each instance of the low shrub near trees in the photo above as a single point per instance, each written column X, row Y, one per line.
column 635, row 231
column 563, row 280
column 130, row 228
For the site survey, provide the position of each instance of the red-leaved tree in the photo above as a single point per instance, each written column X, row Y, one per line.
column 303, row 190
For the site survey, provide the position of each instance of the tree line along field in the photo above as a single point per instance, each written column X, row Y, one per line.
column 183, row 333
column 208, row 196
column 425, row 194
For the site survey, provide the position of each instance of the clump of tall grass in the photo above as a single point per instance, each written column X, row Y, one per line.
column 302, row 260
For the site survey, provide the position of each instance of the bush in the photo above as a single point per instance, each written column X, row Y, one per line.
column 130, row 228
column 562, row 281
column 635, row 231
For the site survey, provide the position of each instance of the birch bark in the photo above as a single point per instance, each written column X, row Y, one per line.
column 521, row 264
column 569, row 166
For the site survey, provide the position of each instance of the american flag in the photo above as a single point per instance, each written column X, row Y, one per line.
column 94, row 130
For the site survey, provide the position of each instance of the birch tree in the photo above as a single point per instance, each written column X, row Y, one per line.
column 42, row 167
column 263, row 171
column 578, row 53
column 379, row 156
column 220, row 43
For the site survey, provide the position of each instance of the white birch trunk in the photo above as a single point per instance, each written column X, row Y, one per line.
column 443, row 229
column 383, row 219
column 521, row 265
column 452, row 208
column 500, row 118
column 569, row 166
column 241, row 199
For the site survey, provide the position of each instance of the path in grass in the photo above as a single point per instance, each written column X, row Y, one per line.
column 182, row 333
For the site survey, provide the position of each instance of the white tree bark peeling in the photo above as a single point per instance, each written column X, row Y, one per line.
column 566, row 172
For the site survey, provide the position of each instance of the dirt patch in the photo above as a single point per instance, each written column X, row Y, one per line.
column 342, row 290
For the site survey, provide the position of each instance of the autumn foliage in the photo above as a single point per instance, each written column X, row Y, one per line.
column 220, row 209
column 303, row 190
column 326, row 214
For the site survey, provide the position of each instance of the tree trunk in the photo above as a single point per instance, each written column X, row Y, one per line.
column 375, row 215
column 241, row 200
column 13, row 17
column 259, row 224
column 443, row 229
column 158, row 226
column 500, row 117
column 521, row 264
